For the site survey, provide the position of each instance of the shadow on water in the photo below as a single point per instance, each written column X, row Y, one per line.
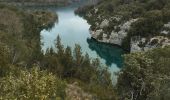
column 111, row 54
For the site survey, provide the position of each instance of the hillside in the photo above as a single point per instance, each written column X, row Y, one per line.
column 26, row 73
column 136, row 25
column 37, row 2
column 142, row 27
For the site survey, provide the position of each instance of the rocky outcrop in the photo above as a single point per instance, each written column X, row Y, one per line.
column 121, row 23
column 137, row 43
column 104, row 23
column 143, row 44
column 114, row 37
column 166, row 30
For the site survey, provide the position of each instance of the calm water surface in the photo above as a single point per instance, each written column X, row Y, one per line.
column 75, row 30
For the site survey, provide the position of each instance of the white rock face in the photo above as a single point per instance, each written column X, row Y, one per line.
column 135, row 41
column 96, row 10
column 105, row 38
column 104, row 23
column 115, row 37
column 154, row 42
column 164, row 32
column 135, row 47
column 96, row 33
column 89, row 14
column 116, row 18
column 166, row 26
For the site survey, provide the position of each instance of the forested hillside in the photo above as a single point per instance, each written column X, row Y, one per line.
column 136, row 25
column 37, row 2
column 139, row 26
column 26, row 73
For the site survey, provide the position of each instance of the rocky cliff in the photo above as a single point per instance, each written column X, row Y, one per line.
column 136, row 25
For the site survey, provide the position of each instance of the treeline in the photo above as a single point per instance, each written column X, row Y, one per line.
column 19, row 51
column 37, row 2
column 72, row 65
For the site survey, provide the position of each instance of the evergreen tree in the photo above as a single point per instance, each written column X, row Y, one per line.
column 59, row 46
column 78, row 55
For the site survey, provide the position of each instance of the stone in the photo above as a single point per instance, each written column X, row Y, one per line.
column 164, row 32
column 95, row 10
column 135, row 47
column 104, row 23
column 96, row 33
column 167, row 25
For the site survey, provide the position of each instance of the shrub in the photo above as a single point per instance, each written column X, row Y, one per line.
column 31, row 84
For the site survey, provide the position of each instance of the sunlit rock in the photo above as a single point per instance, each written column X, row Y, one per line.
column 143, row 44
column 95, row 10
column 104, row 23
column 96, row 33
column 167, row 25
column 166, row 29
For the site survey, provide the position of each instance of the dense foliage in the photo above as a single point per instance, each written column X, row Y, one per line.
column 145, row 76
column 151, row 16
column 73, row 65
column 20, row 52
column 36, row 2
column 31, row 84
column 25, row 73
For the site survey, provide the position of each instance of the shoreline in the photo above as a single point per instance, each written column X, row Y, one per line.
column 110, row 44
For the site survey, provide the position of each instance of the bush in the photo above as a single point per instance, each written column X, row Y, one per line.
column 150, row 25
column 145, row 75
column 31, row 85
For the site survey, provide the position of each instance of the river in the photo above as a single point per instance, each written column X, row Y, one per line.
column 75, row 30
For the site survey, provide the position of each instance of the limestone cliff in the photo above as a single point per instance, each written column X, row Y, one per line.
column 135, row 25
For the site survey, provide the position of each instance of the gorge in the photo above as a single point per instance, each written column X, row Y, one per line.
column 75, row 30
column 53, row 51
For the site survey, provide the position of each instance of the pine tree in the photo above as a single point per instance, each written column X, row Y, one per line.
column 68, row 56
column 86, row 60
column 78, row 55
column 59, row 46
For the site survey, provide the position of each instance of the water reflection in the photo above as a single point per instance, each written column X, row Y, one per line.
column 73, row 30
column 111, row 55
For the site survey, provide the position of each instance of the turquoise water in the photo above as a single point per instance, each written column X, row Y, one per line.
column 75, row 30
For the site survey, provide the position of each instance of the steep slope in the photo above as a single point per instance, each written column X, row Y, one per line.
column 26, row 73
column 136, row 25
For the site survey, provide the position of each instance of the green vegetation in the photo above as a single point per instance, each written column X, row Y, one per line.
column 26, row 73
column 31, row 84
column 145, row 76
column 19, row 50
column 151, row 16
column 36, row 2
column 76, row 66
